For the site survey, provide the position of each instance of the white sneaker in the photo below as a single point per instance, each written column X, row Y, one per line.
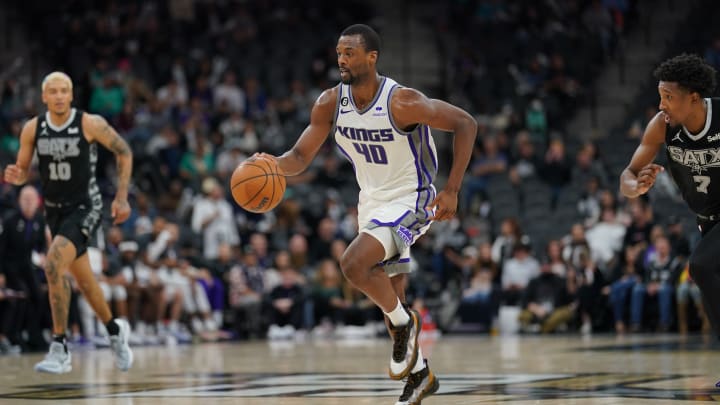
column 119, row 346
column 57, row 361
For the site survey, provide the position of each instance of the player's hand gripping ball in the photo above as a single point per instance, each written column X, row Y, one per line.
column 258, row 184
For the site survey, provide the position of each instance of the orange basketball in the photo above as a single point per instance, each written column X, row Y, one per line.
column 257, row 184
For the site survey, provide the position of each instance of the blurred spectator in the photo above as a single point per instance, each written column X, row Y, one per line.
column 286, row 309
column 229, row 96
column 555, row 260
column 23, row 242
column 546, row 302
column 576, row 246
column 589, row 204
column 198, row 163
column 627, row 275
column 605, row 239
column 480, row 301
column 555, row 170
column 108, row 99
column 517, row 272
column 327, row 296
column 660, row 275
column 502, row 247
column 486, row 164
column 525, row 162
column 245, row 292
column 639, row 230
column 590, row 282
column 145, row 293
column 213, row 218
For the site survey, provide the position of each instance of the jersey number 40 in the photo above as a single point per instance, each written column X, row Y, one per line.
column 373, row 153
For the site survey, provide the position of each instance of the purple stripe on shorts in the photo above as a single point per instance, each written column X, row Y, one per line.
column 394, row 223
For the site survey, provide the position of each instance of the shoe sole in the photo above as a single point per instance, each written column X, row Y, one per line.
column 429, row 390
column 65, row 369
column 414, row 358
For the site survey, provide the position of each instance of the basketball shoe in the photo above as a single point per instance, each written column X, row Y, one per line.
column 418, row 386
column 57, row 361
column 119, row 346
column 405, row 346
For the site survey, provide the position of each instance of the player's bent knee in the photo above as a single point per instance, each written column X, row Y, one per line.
column 351, row 267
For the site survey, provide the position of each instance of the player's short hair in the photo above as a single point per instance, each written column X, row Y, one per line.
column 54, row 76
column 688, row 71
column 370, row 38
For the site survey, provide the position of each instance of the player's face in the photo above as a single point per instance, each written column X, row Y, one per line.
column 675, row 102
column 354, row 62
column 57, row 96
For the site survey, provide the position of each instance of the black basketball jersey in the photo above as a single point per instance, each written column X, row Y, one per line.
column 694, row 162
column 66, row 161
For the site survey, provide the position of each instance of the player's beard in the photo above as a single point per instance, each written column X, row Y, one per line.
column 350, row 78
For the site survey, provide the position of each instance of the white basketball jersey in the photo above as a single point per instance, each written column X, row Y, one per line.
column 389, row 162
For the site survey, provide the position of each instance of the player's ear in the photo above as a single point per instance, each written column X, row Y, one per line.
column 695, row 97
column 373, row 56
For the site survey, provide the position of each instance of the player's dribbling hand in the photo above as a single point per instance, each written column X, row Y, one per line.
column 445, row 206
column 120, row 211
column 646, row 177
column 263, row 155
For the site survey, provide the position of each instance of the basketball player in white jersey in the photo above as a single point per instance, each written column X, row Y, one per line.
column 383, row 129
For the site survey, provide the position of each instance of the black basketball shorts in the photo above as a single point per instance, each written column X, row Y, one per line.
column 76, row 222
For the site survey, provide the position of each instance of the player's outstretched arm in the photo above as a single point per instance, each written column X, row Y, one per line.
column 640, row 174
column 17, row 173
column 410, row 107
column 299, row 157
column 99, row 130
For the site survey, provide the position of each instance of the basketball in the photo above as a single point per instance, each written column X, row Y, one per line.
column 257, row 184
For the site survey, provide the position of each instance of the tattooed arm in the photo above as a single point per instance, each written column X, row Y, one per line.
column 97, row 129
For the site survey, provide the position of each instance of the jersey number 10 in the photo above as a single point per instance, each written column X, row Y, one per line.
column 60, row 171
column 373, row 153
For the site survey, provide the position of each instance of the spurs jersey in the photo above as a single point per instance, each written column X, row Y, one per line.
column 389, row 162
column 694, row 162
column 66, row 161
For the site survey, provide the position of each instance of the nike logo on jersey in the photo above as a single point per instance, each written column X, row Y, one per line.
column 73, row 130
column 714, row 138
column 345, row 111
column 677, row 137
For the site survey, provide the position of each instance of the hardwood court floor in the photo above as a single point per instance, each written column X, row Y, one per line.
column 472, row 370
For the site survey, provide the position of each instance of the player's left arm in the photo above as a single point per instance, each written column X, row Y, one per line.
column 411, row 107
column 98, row 129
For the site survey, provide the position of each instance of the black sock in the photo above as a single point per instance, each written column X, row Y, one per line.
column 112, row 327
column 60, row 339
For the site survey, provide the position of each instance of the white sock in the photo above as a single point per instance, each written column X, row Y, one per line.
column 399, row 315
column 420, row 363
